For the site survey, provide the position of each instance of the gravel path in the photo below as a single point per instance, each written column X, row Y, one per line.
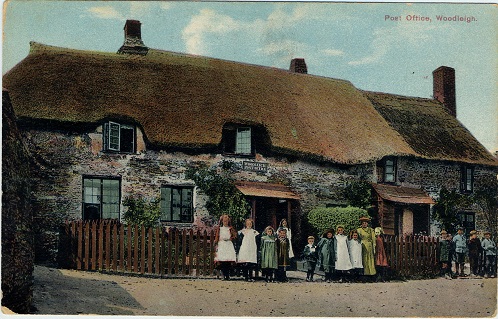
column 59, row 291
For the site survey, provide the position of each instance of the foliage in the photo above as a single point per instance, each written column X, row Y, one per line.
column 486, row 199
column 323, row 218
column 224, row 197
column 358, row 193
column 447, row 207
column 141, row 211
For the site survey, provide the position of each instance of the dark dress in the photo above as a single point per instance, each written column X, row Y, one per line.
column 380, row 253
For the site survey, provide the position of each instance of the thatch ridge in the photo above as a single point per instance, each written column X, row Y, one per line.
column 429, row 129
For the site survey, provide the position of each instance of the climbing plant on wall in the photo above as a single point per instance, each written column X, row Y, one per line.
column 219, row 186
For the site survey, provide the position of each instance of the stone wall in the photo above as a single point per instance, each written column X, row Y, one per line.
column 17, row 235
column 433, row 175
column 65, row 157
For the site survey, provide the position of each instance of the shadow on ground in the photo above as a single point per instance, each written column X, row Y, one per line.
column 73, row 295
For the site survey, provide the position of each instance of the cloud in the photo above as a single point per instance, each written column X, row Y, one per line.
column 165, row 6
column 139, row 8
column 206, row 22
column 106, row 12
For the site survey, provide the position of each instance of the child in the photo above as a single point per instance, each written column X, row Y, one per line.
column 283, row 247
column 355, row 256
column 268, row 253
column 451, row 254
column 475, row 251
column 311, row 256
column 283, row 224
column 380, row 254
column 460, row 250
column 444, row 255
column 342, row 263
column 225, row 251
column 248, row 253
column 326, row 253
column 489, row 247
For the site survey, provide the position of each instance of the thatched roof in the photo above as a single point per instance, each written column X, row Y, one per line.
column 183, row 101
column 429, row 129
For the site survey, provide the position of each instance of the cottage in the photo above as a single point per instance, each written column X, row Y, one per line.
column 106, row 125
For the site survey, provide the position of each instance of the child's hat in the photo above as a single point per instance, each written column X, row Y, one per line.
column 311, row 237
column 472, row 232
column 487, row 232
column 460, row 228
column 443, row 232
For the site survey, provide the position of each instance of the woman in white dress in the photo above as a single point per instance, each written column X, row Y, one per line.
column 248, row 252
column 283, row 224
column 225, row 251
column 342, row 262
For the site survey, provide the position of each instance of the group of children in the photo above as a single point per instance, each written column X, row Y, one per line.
column 455, row 249
column 339, row 256
column 347, row 258
column 275, row 250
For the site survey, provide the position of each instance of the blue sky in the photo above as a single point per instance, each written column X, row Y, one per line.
column 349, row 41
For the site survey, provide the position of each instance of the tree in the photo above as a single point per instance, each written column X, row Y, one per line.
column 447, row 206
column 486, row 199
column 141, row 211
column 358, row 193
column 224, row 197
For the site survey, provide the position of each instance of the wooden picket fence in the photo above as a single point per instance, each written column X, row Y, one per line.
column 115, row 247
column 111, row 246
column 412, row 255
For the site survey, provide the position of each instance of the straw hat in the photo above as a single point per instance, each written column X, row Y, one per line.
column 364, row 219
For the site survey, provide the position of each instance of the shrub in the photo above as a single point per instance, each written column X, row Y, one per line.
column 323, row 218
column 141, row 211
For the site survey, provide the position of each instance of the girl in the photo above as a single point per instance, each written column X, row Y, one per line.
column 355, row 256
column 268, row 253
column 342, row 263
column 248, row 253
column 380, row 254
column 326, row 253
column 283, row 224
column 225, row 251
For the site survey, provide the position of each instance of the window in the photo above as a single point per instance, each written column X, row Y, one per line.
column 101, row 198
column 467, row 221
column 237, row 140
column 119, row 137
column 177, row 203
column 390, row 170
column 467, row 179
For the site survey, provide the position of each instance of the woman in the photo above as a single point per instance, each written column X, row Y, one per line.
column 283, row 224
column 367, row 237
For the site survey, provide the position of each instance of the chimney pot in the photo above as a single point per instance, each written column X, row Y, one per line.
column 298, row 65
column 444, row 87
column 133, row 43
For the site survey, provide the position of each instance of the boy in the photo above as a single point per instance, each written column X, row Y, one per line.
column 310, row 254
column 475, row 250
column 326, row 253
column 489, row 247
column 283, row 246
column 444, row 255
column 460, row 250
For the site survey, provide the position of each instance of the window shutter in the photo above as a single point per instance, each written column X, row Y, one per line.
column 114, row 136
column 105, row 136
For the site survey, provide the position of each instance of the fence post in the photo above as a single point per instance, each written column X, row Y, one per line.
column 198, row 253
column 157, row 259
column 190, row 251
column 121, row 247
column 211, row 252
column 150, row 250
column 177, row 248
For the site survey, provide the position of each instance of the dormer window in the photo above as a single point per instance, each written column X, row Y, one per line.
column 467, row 179
column 119, row 137
column 237, row 140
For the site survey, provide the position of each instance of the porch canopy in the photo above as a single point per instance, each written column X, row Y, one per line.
column 400, row 194
column 260, row 189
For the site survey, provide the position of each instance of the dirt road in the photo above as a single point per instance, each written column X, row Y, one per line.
column 59, row 291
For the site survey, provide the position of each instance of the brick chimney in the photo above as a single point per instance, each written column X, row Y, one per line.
column 444, row 87
column 133, row 43
column 298, row 65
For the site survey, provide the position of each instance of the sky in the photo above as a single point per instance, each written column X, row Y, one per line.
column 380, row 47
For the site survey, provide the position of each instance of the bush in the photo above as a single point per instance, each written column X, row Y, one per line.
column 141, row 211
column 323, row 218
